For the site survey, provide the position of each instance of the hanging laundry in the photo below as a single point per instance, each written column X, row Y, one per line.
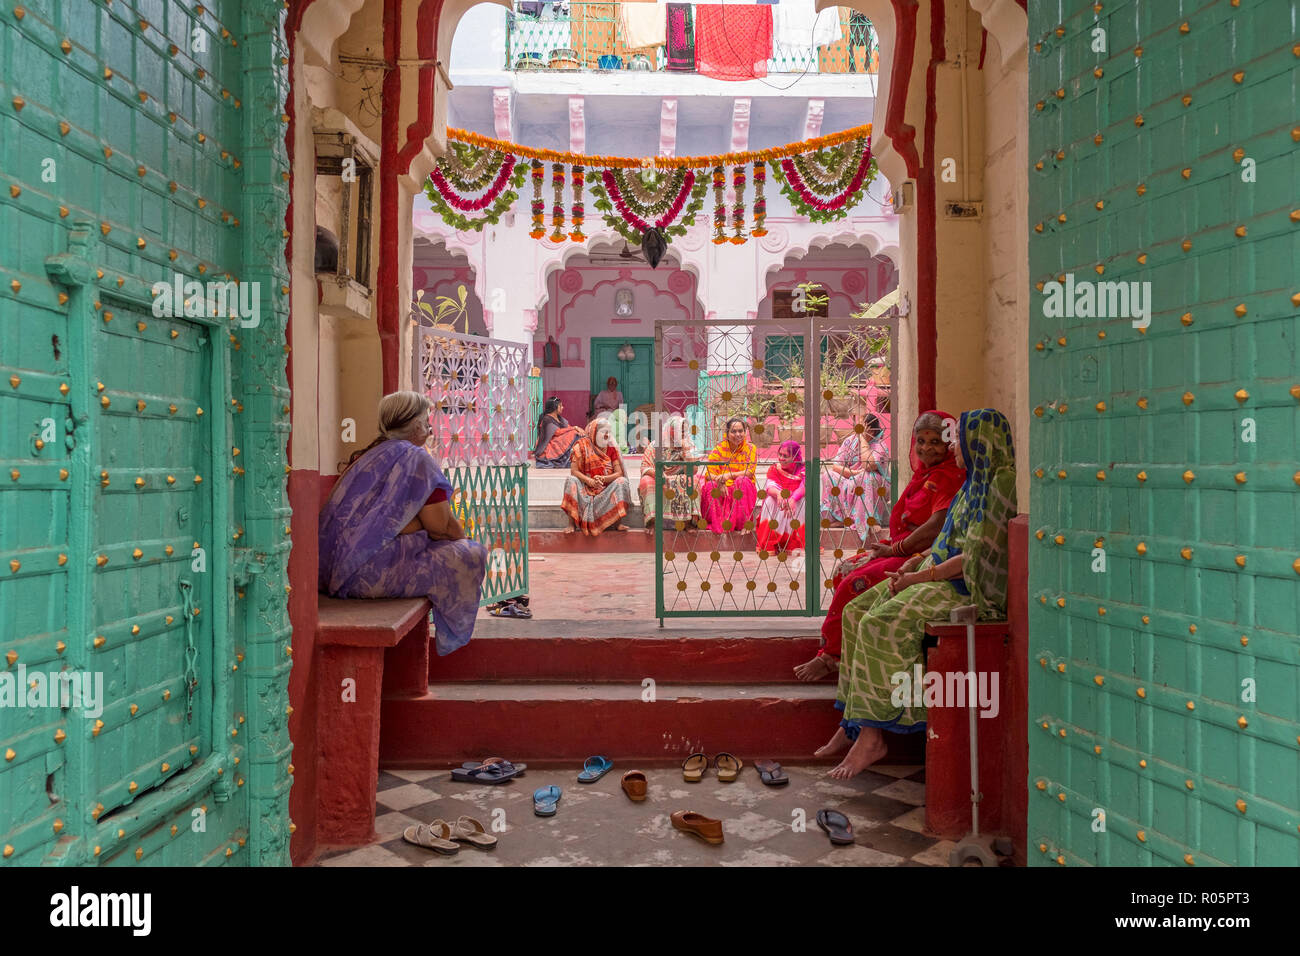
column 733, row 42
column 799, row 29
column 644, row 24
column 680, row 30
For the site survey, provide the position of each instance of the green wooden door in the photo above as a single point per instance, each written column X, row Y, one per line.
column 1164, row 587
column 635, row 378
column 144, row 657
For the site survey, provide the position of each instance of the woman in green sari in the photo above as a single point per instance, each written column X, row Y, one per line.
column 884, row 626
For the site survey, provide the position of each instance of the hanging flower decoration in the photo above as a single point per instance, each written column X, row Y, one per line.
column 824, row 184
column 719, row 205
column 466, row 170
column 539, row 205
column 577, row 211
column 557, row 210
column 631, row 202
column 760, row 203
column 738, row 207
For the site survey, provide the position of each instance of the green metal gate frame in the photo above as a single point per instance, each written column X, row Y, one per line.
column 811, row 329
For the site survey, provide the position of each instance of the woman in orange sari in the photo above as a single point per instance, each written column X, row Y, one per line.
column 728, row 493
column 597, row 493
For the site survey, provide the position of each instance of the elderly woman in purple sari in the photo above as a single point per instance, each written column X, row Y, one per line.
column 388, row 530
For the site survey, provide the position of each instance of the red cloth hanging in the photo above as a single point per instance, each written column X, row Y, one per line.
column 732, row 42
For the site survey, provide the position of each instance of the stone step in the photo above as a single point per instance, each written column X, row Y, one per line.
column 571, row 721
column 697, row 657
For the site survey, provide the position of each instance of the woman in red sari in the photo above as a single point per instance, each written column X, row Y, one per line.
column 916, row 519
column 780, row 523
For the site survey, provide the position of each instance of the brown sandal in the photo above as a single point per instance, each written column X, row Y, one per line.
column 729, row 767
column 634, row 785
column 693, row 767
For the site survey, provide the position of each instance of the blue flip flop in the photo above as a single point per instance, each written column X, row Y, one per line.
column 593, row 768
column 545, row 799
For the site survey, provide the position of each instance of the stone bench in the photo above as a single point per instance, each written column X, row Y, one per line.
column 382, row 647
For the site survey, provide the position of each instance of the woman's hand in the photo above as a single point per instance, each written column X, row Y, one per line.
column 882, row 549
column 899, row 581
column 912, row 563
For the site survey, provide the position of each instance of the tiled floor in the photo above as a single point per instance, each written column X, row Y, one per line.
column 597, row 825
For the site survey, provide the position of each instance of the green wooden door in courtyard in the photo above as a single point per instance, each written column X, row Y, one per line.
column 1165, row 507
column 144, row 650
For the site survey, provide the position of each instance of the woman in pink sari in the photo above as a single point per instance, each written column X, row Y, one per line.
column 728, row 495
column 780, row 523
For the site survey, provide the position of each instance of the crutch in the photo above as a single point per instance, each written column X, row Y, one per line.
column 971, row 846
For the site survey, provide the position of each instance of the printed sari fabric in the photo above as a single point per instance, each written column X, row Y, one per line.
column 883, row 632
column 781, row 519
column 364, row 555
column 555, row 441
column 679, row 505
column 593, row 512
column 680, row 28
column 727, row 499
column 733, row 41
column 860, row 499
column 931, row 489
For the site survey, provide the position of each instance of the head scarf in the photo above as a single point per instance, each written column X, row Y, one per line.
column 932, row 486
column 796, row 465
column 987, row 495
column 590, row 459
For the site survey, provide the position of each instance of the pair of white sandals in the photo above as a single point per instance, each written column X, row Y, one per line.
column 445, row 838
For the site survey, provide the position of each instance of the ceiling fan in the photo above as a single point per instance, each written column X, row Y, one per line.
column 626, row 255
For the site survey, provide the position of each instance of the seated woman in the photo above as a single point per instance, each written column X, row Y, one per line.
column 855, row 493
column 913, row 523
column 674, row 446
column 884, row 627
column 597, row 493
column 387, row 529
column 727, row 494
column 781, row 520
column 555, row 436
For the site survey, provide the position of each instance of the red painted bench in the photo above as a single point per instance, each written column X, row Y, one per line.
column 1001, row 648
column 382, row 646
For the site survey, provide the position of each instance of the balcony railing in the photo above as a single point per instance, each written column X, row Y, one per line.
column 579, row 36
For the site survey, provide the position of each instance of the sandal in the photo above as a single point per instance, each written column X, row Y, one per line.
column 469, row 830
column 489, row 773
column 634, row 785
column 510, row 609
column 693, row 767
column 728, row 767
column 770, row 772
column 432, row 836
column 545, row 799
column 837, row 827
column 475, row 764
column 594, row 768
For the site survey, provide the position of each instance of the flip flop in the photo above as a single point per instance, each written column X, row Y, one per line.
column 770, row 772
column 491, row 773
column 837, row 827
column 693, row 767
column 475, row 764
column 469, row 830
column 729, row 766
column 545, row 799
column 432, row 836
column 511, row 610
column 594, row 768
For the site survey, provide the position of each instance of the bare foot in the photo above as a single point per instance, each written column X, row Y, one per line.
column 569, row 530
column 833, row 746
column 815, row 669
column 866, row 750
column 622, row 527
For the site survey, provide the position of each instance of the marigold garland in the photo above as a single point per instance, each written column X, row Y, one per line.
column 539, row 206
column 719, row 206
column 451, row 205
column 577, row 213
column 738, row 207
column 759, row 210
column 630, row 206
column 825, row 184
column 661, row 162
column 557, row 210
